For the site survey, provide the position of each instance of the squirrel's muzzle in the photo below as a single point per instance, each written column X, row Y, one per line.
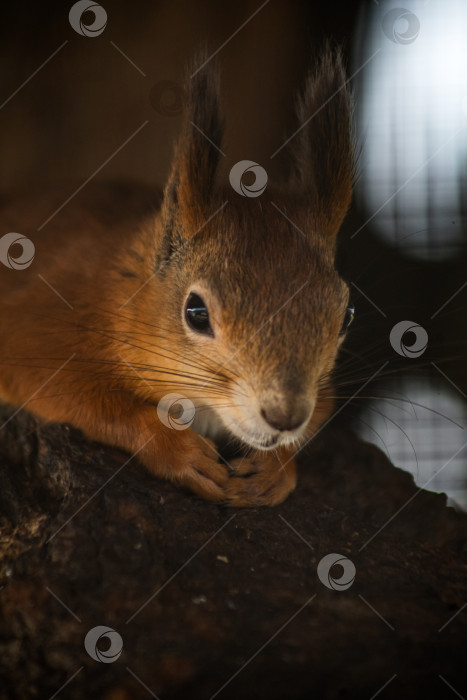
column 287, row 414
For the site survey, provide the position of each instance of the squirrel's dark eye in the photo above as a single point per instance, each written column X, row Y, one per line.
column 197, row 315
column 348, row 318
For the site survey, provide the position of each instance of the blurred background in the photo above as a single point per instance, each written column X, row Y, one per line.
column 104, row 99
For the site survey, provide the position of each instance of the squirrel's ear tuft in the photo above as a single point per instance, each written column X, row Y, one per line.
column 197, row 153
column 323, row 149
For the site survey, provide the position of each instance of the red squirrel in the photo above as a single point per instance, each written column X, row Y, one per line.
column 231, row 302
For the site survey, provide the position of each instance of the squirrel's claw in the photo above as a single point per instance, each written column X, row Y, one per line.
column 266, row 478
column 263, row 478
column 200, row 471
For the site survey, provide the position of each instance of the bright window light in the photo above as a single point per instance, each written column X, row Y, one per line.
column 412, row 123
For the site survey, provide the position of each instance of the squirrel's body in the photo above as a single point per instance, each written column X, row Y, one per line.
column 229, row 301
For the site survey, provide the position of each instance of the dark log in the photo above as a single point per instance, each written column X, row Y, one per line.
column 215, row 602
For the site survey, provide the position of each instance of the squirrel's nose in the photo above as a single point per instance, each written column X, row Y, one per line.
column 286, row 418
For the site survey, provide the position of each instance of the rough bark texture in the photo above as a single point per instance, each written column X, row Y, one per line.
column 211, row 602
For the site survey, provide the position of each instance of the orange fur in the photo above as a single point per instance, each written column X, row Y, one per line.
column 102, row 349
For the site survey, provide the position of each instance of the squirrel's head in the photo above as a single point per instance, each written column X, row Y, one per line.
column 258, row 308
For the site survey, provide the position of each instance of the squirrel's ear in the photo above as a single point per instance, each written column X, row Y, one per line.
column 197, row 153
column 323, row 151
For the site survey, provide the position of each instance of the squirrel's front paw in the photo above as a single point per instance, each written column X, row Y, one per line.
column 263, row 479
column 199, row 470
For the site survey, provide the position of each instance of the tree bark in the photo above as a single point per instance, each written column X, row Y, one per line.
column 214, row 602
